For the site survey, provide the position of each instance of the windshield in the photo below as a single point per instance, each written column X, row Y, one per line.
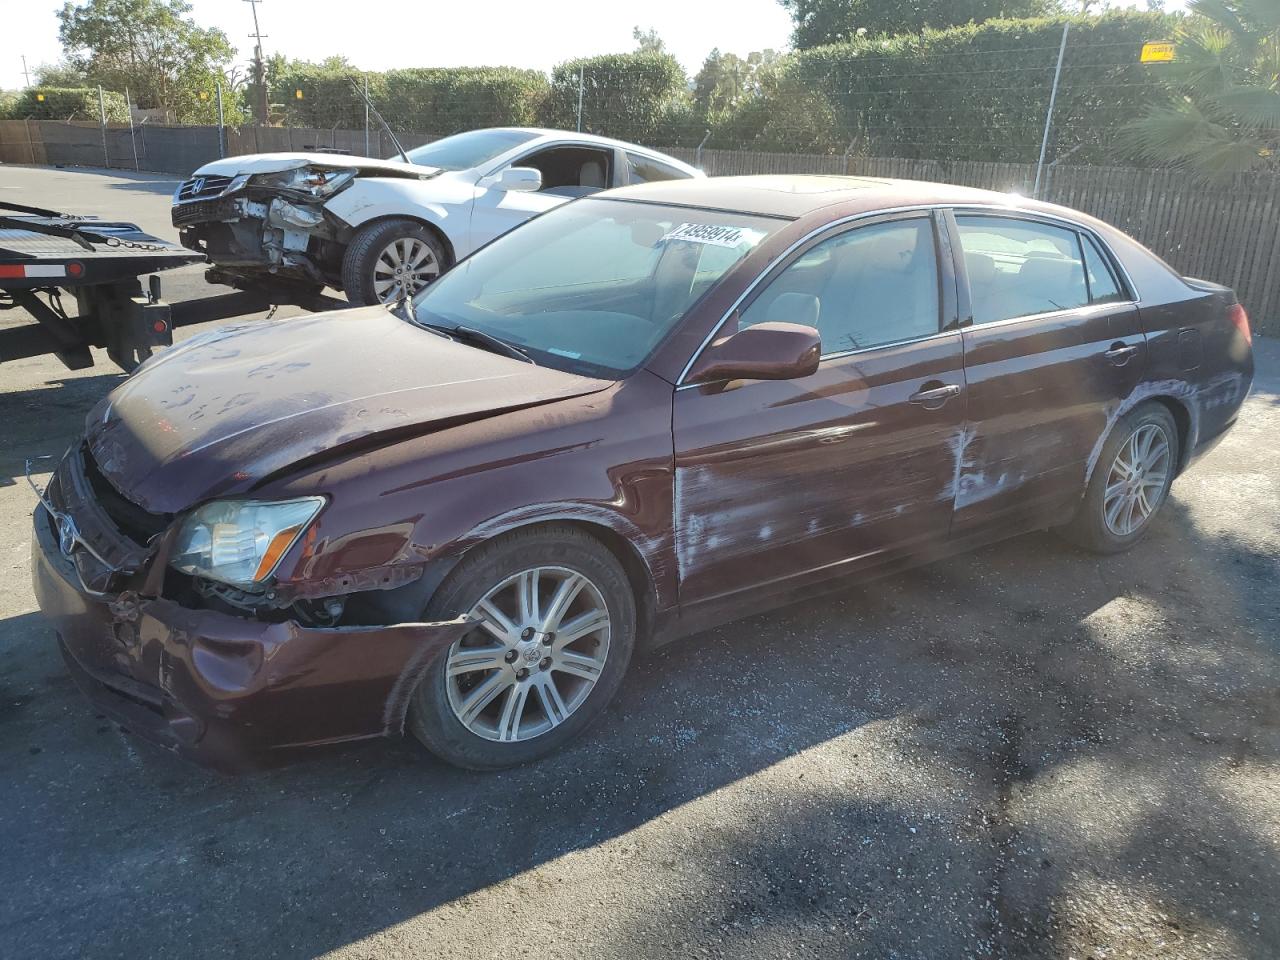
column 593, row 286
column 465, row 150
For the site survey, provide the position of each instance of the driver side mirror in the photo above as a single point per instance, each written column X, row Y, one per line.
column 519, row 180
column 766, row 351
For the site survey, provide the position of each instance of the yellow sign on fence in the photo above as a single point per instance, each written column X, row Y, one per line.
column 1157, row 52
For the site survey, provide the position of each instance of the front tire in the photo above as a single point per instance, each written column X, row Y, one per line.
column 556, row 627
column 391, row 260
column 1130, row 481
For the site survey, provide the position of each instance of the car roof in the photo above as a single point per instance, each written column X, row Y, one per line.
column 795, row 196
column 548, row 133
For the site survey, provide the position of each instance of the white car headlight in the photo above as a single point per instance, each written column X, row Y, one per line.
column 241, row 541
column 312, row 181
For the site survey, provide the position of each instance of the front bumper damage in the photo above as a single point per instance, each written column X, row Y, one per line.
column 251, row 233
column 225, row 690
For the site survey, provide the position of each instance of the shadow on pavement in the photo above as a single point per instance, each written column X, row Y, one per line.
column 986, row 755
column 1023, row 752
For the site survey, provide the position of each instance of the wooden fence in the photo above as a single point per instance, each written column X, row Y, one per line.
column 1227, row 232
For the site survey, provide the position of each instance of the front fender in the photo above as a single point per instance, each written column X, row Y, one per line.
column 603, row 459
column 444, row 204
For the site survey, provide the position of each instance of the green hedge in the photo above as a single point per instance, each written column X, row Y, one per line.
column 60, row 103
column 327, row 97
column 979, row 92
column 631, row 96
column 975, row 92
column 448, row 100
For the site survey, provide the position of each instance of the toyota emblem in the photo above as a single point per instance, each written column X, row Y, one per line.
column 68, row 535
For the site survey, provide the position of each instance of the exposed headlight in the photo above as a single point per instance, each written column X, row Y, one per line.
column 312, row 181
column 241, row 541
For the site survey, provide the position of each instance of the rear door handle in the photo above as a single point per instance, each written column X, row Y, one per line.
column 935, row 397
column 1120, row 353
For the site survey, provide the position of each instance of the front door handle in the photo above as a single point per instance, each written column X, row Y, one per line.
column 934, row 397
column 1120, row 353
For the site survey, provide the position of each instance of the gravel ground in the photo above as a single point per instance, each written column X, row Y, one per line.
column 1025, row 752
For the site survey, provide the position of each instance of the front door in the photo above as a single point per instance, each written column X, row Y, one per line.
column 1054, row 344
column 567, row 172
column 786, row 481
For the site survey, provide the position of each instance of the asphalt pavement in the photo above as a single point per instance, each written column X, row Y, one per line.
column 1026, row 752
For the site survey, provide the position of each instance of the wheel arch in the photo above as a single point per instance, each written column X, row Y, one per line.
column 1176, row 396
column 1181, row 414
column 435, row 229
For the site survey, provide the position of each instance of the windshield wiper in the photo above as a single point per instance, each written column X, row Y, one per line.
column 494, row 343
column 479, row 338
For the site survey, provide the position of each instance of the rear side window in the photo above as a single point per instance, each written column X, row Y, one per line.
column 1019, row 268
column 1103, row 286
column 644, row 170
column 863, row 288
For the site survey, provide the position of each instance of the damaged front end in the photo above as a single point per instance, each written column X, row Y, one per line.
column 271, row 224
column 231, row 678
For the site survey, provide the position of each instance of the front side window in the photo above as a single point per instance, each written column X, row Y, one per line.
column 866, row 287
column 592, row 287
column 571, row 171
column 645, row 170
column 1020, row 268
column 463, row 151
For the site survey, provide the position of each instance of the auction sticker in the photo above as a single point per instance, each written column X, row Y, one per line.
column 715, row 236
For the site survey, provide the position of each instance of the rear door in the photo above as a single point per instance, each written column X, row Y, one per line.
column 780, row 482
column 1052, row 343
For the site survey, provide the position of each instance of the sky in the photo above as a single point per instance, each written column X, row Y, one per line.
column 413, row 33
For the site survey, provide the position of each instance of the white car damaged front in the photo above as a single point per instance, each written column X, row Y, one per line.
column 263, row 220
column 381, row 230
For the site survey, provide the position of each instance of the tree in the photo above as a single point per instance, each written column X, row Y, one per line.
column 1223, row 116
column 819, row 22
column 647, row 41
column 726, row 79
column 63, row 75
column 149, row 46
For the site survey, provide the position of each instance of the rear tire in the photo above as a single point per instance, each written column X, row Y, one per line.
column 1122, row 499
column 389, row 259
column 533, row 676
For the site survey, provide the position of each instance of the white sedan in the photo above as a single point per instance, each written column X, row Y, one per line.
column 381, row 230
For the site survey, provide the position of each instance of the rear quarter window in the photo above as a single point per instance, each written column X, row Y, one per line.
column 646, row 170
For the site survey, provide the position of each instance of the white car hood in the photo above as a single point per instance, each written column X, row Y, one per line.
column 277, row 162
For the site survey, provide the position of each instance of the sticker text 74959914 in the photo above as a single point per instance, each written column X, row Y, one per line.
column 713, row 235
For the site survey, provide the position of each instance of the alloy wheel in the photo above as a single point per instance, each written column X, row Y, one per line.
column 403, row 269
column 540, row 646
column 1137, row 479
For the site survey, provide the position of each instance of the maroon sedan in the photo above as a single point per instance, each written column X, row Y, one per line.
column 640, row 415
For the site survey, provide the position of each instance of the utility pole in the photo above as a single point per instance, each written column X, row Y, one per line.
column 25, row 72
column 581, row 88
column 262, row 108
column 1048, row 119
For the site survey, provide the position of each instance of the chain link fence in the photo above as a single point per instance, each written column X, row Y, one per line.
column 1034, row 109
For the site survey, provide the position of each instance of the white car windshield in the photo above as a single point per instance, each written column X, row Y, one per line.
column 593, row 286
column 463, row 151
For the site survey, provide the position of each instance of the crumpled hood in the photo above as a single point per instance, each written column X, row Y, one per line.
column 277, row 162
column 216, row 414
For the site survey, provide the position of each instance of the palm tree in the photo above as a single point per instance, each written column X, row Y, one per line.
column 1224, row 117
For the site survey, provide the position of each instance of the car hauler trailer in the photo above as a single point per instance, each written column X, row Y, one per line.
column 99, row 264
